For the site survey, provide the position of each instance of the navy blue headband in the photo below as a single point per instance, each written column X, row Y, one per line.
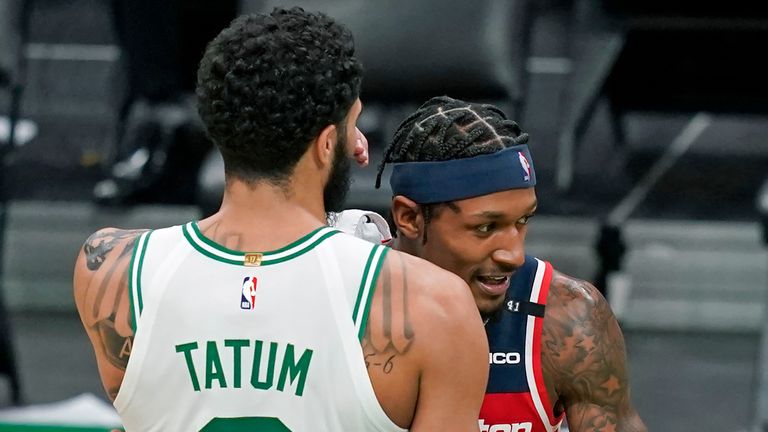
column 435, row 182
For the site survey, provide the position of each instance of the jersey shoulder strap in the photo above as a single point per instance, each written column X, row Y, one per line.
column 151, row 252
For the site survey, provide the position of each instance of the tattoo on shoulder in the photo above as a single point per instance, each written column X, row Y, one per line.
column 101, row 243
column 107, row 310
column 117, row 347
column 583, row 351
column 393, row 335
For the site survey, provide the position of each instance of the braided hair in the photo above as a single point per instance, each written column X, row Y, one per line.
column 446, row 129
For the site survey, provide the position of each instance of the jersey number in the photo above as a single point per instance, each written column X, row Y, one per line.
column 245, row 424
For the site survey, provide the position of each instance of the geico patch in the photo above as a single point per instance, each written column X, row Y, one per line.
column 500, row 358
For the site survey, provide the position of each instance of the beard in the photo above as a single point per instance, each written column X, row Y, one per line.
column 335, row 191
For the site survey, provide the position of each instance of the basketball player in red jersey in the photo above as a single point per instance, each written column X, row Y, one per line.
column 463, row 186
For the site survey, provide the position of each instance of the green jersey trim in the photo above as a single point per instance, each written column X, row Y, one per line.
column 134, row 279
column 262, row 424
column 367, row 288
column 220, row 253
column 361, row 289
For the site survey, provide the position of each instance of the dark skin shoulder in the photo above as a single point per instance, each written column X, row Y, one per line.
column 584, row 359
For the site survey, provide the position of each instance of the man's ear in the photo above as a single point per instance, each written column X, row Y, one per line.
column 324, row 143
column 407, row 217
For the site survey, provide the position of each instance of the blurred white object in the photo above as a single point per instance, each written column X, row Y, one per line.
column 620, row 287
column 26, row 131
column 363, row 224
column 83, row 410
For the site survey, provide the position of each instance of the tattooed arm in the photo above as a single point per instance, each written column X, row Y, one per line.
column 425, row 347
column 584, row 359
column 101, row 296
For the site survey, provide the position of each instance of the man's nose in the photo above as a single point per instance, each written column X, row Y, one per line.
column 360, row 148
column 511, row 251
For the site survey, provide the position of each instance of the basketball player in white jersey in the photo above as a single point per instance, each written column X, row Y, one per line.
column 261, row 318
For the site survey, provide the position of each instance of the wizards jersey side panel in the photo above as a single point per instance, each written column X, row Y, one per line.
column 516, row 398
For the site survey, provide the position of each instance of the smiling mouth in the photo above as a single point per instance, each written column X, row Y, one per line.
column 493, row 280
column 494, row 285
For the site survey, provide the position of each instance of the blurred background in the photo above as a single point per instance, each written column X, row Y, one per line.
column 648, row 124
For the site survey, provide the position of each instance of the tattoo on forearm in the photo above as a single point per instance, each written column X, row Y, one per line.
column 394, row 335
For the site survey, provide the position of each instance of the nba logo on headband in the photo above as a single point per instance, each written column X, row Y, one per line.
column 526, row 166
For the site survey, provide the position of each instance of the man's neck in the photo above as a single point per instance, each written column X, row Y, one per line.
column 264, row 216
column 401, row 245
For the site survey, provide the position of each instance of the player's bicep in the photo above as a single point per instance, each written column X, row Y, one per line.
column 596, row 388
column 455, row 375
column 600, row 399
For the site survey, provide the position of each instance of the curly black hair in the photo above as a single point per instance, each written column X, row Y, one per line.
column 269, row 83
column 445, row 129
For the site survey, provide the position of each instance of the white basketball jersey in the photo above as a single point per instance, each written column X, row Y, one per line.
column 241, row 342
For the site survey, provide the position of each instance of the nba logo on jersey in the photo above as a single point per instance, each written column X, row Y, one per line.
column 526, row 166
column 248, row 293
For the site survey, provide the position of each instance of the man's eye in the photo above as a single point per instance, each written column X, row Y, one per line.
column 485, row 228
column 524, row 220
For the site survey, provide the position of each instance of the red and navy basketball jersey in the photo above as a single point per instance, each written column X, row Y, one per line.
column 516, row 399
